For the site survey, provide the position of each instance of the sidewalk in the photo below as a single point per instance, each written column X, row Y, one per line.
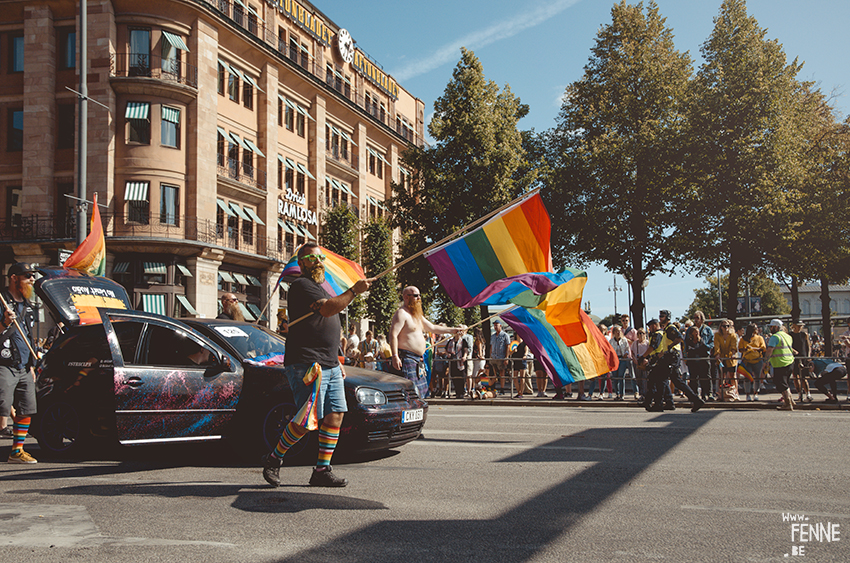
column 767, row 401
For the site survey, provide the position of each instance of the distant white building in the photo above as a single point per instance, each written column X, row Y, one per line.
column 810, row 304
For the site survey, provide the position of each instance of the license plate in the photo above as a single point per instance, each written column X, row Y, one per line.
column 412, row 416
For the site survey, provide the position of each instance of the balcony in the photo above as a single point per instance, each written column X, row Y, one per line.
column 139, row 65
column 347, row 159
column 241, row 172
column 136, row 223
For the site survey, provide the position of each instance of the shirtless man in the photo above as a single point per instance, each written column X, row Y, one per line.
column 407, row 339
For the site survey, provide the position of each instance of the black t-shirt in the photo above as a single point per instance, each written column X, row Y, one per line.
column 316, row 338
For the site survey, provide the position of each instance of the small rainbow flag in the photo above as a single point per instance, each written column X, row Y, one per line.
column 90, row 256
column 307, row 415
column 513, row 243
column 340, row 273
column 548, row 328
column 744, row 372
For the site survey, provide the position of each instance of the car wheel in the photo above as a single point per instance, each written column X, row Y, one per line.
column 58, row 429
column 275, row 419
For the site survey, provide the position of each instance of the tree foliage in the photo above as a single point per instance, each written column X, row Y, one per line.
column 744, row 149
column 377, row 258
column 473, row 167
column 340, row 233
column 615, row 152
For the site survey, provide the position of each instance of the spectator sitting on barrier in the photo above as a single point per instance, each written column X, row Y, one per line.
column 830, row 374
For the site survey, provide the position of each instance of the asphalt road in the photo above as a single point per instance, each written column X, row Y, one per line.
column 486, row 484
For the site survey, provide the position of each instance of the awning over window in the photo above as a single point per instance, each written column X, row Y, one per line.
column 170, row 114
column 238, row 140
column 154, row 303
column 186, row 305
column 254, row 148
column 303, row 169
column 154, row 267
column 304, row 112
column 224, row 207
column 252, row 82
column 120, row 267
column 239, row 211
column 293, row 228
column 137, row 110
column 348, row 138
column 136, row 191
column 290, row 163
column 175, row 40
column 348, row 190
column 254, row 216
column 222, row 132
column 236, row 71
column 226, row 277
column 248, row 316
column 254, row 281
column 185, row 271
column 240, row 279
column 283, row 225
column 257, row 312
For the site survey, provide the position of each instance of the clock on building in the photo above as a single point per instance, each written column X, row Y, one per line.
column 345, row 45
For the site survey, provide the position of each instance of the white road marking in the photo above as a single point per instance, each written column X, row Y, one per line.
column 515, row 446
column 763, row 511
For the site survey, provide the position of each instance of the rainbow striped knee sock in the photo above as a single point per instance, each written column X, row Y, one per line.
column 328, row 437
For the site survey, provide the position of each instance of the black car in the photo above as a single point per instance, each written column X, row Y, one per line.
column 140, row 378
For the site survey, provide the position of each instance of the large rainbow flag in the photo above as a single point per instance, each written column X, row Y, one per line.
column 548, row 327
column 90, row 256
column 340, row 273
column 513, row 243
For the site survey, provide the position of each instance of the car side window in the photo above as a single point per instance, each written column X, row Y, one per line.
column 85, row 347
column 172, row 348
column 128, row 333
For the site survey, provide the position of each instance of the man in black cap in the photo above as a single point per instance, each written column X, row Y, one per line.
column 669, row 359
column 17, row 378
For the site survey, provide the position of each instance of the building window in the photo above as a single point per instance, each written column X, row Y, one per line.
column 15, row 130
column 66, row 129
column 289, row 116
column 279, row 112
column 281, row 39
column 67, row 42
column 221, row 78
column 219, row 219
column 300, row 183
column 289, row 179
column 16, row 53
column 138, row 205
column 233, row 86
column 13, row 205
column 247, row 163
column 238, row 13
column 279, row 173
column 293, row 49
column 170, row 133
column 169, row 205
column 171, row 55
column 305, row 57
column 233, row 231
column 247, row 232
column 248, row 95
column 138, row 122
column 220, row 144
column 300, row 124
column 252, row 20
column 140, row 52
column 233, row 158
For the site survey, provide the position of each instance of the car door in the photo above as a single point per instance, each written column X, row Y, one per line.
column 172, row 385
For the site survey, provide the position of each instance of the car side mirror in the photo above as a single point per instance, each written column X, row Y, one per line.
column 222, row 365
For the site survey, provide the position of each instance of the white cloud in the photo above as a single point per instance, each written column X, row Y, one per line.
column 506, row 29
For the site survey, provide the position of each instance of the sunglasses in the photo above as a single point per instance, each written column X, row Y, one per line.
column 26, row 276
column 314, row 258
column 415, row 295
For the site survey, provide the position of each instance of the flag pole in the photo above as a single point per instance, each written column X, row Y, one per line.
column 456, row 233
column 482, row 321
column 24, row 336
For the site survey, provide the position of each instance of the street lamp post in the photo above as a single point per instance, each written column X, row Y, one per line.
column 615, row 288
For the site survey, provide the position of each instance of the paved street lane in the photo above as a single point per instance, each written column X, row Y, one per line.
column 486, row 484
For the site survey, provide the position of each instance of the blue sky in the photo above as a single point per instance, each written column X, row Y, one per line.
column 538, row 47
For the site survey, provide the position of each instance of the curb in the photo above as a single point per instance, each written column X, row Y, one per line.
column 770, row 404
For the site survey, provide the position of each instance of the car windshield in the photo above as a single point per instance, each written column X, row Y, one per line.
column 250, row 341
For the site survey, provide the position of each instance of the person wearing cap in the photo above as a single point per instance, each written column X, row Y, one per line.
column 500, row 344
column 669, row 366
column 780, row 356
column 802, row 345
column 655, row 398
column 17, row 378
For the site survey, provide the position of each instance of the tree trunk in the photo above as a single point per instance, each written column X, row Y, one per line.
column 825, row 316
column 796, row 313
column 732, row 291
column 485, row 328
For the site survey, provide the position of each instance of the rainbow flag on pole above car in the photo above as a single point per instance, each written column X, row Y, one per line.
column 90, row 256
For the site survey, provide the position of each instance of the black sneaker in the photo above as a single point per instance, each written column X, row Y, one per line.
column 326, row 478
column 271, row 469
column 698, row 404
column 669, row 407
column 7, row 433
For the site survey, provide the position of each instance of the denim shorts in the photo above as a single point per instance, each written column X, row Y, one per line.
column 331, row 394
column 17, row 388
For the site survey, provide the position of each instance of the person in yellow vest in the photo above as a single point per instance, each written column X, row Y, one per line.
column 668, row 365
column 780, row 356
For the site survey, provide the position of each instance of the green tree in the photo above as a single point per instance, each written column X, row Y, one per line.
column 706, row 298
column 472, row 167
column 377, row 258
column 615, row 151
column 340, row 233
column 743, row 159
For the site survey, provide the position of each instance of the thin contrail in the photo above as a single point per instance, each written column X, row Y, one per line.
column 496, row 32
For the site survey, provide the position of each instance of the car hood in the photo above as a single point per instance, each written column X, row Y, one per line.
column 63, row 291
